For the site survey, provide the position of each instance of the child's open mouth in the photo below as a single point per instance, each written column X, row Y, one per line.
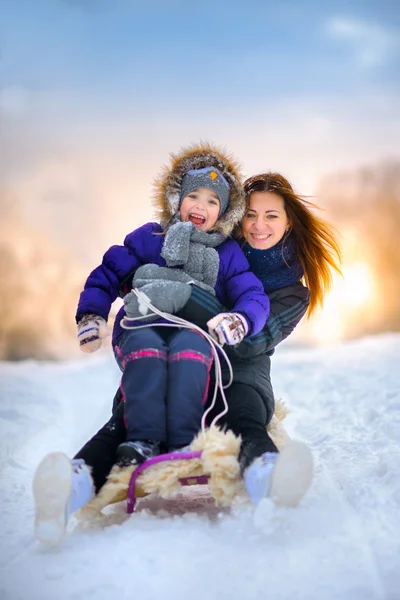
column 196, row 219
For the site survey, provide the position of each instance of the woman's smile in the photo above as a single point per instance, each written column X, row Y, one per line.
column 265, row 221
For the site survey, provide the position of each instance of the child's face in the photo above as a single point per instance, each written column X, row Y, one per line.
column 200, row 207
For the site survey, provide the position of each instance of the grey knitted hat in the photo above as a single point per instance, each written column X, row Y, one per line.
column 208, row 177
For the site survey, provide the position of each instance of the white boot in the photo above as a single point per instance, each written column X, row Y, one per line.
column 60, row 486
column 284, row 477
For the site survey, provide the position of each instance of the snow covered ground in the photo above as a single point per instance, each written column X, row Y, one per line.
column 343, row 541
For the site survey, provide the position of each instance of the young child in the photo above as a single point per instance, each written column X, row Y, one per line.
column 165, row 370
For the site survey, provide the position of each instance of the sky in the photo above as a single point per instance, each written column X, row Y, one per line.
column 302, row 87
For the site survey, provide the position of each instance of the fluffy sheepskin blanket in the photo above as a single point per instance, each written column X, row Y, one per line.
column 219, row 460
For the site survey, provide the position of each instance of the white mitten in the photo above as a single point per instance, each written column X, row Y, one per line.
column 91, row 330
column 228, row 328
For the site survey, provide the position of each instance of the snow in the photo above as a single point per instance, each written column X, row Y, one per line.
column 342, row 542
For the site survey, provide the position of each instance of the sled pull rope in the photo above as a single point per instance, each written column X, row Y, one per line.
column 174, row 321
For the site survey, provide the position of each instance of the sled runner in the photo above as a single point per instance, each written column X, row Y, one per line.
column 193, row 480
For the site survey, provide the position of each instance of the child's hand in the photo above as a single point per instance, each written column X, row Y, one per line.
column 91, row 330
column 167, row 296
column 228, row 328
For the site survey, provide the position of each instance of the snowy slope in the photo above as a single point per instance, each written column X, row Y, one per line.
column 343, row 541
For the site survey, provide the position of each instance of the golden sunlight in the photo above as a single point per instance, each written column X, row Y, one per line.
column 357, row 284
column 351, row 297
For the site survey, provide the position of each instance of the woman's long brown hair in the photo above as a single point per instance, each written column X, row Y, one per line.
column 317, row 246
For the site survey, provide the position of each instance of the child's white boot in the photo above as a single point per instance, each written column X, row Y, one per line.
column 284, row 477
column 60, row 487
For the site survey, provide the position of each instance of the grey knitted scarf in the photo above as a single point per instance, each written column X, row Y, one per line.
column 168, row 287
column 194, row 250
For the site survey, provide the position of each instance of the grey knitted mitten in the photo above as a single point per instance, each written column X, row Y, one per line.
column 167, row 296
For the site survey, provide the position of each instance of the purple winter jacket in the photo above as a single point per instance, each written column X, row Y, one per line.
column 236, row 286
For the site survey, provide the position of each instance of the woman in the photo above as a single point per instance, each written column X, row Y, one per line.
column 284, row 242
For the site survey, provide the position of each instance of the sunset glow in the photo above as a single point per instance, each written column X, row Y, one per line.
column 352, row 296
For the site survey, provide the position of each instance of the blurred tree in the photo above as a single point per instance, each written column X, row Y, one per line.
column 39, row 286
column 365, row 204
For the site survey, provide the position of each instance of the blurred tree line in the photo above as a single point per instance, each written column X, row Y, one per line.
column 39, row 285
column 365, row 208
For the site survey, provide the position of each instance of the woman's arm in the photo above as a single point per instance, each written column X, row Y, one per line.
column 288, row 307
column 243, row 291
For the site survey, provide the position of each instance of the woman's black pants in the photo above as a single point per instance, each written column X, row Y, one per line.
column 247, row 417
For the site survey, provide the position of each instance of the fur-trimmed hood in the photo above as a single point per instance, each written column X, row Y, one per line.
column 198, row 156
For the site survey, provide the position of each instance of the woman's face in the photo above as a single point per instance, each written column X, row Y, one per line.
column 265, row 221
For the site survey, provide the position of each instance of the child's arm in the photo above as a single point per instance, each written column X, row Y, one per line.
column 103, row 284
column 244, row 291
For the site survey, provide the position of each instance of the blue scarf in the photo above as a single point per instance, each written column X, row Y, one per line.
column 276, row 267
